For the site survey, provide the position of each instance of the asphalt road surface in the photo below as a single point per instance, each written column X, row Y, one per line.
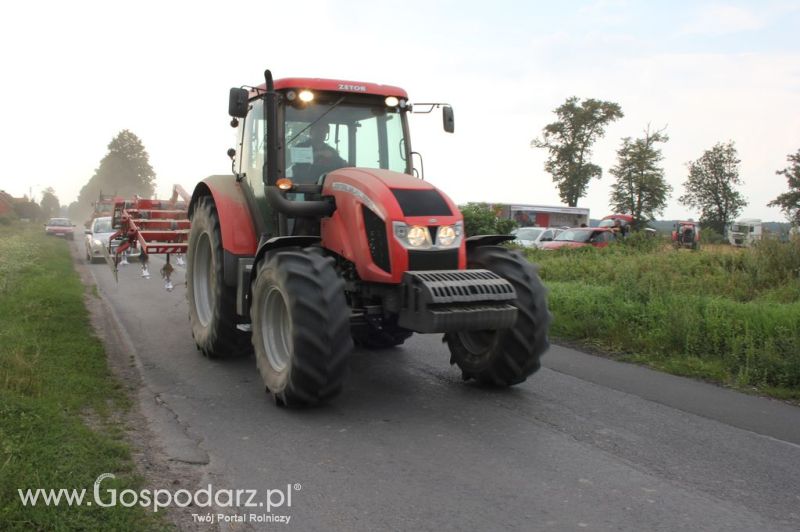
column 585, row 444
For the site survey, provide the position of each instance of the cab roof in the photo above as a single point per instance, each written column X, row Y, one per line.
column 337, row 85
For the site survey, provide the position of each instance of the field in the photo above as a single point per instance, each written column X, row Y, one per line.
column 723, row 314
column 59, row 403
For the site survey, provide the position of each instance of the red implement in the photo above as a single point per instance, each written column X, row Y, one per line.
column 154, row 226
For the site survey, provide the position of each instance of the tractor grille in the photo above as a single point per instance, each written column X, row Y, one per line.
column 433, row 260
column 421, row 202
column 376, row 239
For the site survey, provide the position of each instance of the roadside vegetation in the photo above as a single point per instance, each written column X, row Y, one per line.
column 58, row 401
column 723, row 314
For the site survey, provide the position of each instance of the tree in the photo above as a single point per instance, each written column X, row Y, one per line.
column 49, row 204
column 569, row 141
column 789, row 202
column 124, row 171
column 483, row 219
column 28, row 210
column 640, row 189
column 710, row 186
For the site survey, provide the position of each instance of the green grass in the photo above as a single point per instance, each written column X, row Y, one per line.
column 53, row 378
column 721, row 314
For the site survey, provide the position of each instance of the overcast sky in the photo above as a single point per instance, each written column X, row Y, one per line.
column 77, row 73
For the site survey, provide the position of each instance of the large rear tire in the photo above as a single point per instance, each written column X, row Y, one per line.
column 509, row 356
column 301, row 327
column 212, row 304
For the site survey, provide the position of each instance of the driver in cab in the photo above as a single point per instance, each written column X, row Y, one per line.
column 325, row 158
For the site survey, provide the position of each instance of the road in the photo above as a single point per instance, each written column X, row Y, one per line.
column 585, row 444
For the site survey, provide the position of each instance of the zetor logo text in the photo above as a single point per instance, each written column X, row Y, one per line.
column 157, row 499
column 354, row 88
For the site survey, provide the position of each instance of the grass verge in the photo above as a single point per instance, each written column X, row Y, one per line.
column 59, row 403
column 720, row 314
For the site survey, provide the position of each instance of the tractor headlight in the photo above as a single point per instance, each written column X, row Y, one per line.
column 97, row 243
column 418, row 236
column 415, row 236
column 446, row 236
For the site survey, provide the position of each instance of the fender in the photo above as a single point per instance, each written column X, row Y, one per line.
column 277, row 242
column 487, row 240
column 236, row 224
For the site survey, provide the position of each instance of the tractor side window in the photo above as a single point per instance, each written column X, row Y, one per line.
column 255, row 135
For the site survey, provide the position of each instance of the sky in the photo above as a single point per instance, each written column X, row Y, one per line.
column 77, row 73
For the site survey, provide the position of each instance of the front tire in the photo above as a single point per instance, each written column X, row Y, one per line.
column 301, row 327
column 212, row 304
column 509, row 356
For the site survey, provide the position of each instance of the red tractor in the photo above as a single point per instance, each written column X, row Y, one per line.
column 686, row 234
column 323, row 238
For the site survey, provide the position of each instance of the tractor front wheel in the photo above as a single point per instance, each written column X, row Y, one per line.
column 301, row 327
column 212, row 304
column 508, row 356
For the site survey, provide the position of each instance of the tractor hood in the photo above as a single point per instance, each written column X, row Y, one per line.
column 393, row 196
column 374, row 208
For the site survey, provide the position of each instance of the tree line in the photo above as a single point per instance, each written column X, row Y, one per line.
column 640, row 188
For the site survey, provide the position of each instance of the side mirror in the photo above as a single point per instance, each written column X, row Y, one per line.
column 448, row 119
column 237, row 102
column 87, row 231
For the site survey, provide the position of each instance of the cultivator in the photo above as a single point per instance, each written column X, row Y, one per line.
column 154, row 227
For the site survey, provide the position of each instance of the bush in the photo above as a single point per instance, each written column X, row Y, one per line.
column 709, row 235
column 484, row 219
column 723, row 313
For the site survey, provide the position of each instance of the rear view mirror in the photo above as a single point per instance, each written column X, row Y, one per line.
column 448, row 119
column 87, row 231
column 237, row 102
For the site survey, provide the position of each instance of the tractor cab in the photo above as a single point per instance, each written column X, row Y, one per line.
column 317, row 126
column 322, row 125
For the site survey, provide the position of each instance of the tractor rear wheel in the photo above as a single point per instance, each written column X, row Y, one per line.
column 301, row 327
column 508, row 356
column 212, row 304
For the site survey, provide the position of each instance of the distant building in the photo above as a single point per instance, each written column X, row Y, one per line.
column 6, row 203
column 545, row 216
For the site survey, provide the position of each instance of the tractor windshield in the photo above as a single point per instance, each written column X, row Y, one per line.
column 321, row 137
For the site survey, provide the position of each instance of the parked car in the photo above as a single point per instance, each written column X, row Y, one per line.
column 534, row 237
column 60, row 227
column 579, row 237
column 97, row 238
